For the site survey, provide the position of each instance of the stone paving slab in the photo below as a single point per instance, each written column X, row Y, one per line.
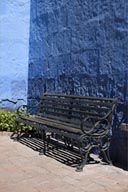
column 23, row 170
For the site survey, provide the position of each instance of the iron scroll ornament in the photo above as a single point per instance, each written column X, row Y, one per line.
column 22, row 110
column 91, row 126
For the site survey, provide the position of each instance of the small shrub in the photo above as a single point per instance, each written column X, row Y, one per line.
column 7, row 121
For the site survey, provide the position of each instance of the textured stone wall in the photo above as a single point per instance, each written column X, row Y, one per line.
column 79, row 47
column 14, row 44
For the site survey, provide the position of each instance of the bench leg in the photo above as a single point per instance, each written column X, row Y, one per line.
column 106, row 156
column 83, row 163
column 43, row 150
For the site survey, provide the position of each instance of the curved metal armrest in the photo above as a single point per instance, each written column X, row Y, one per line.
column 85, row 124
column 23, row 110
column 102, row 126
column 91, row 125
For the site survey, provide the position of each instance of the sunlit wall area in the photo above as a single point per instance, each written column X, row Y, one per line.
column 14, row 46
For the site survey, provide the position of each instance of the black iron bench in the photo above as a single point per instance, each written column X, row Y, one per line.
column 82, row 121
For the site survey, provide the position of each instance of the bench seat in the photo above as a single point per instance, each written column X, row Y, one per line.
column 55, row 124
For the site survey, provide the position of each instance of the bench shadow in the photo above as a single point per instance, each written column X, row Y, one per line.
column 56, row 150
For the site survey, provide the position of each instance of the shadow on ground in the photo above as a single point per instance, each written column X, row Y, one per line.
column 56, row 150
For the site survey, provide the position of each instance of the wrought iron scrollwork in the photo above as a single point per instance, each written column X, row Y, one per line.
column 22, row 110
column 84, row 143
column 104, row 142
column 92, row 126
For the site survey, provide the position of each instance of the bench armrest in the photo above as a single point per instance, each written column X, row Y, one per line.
column 23, row 110
column 94, row 125
column 87, row 125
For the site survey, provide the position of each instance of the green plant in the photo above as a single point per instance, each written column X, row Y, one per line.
column 7, row 121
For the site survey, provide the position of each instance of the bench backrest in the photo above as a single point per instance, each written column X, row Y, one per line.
column 72, row 108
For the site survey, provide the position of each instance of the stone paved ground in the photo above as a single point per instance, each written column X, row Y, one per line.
column 23, row 170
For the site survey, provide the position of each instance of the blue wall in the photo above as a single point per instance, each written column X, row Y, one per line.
column 78, row 47
column 14, row 51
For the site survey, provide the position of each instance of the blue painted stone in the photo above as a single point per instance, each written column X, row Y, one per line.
column 14, row 51
column 85, row 41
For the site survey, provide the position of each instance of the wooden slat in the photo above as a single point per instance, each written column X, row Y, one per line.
column 92, row 103
column 60, row 114
column 59, row 121
column 52, row 130
column 72, row 116
column 60, row 118
column 84, row 106
column 69, row 111
column 49, row 123
column 81, row 97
